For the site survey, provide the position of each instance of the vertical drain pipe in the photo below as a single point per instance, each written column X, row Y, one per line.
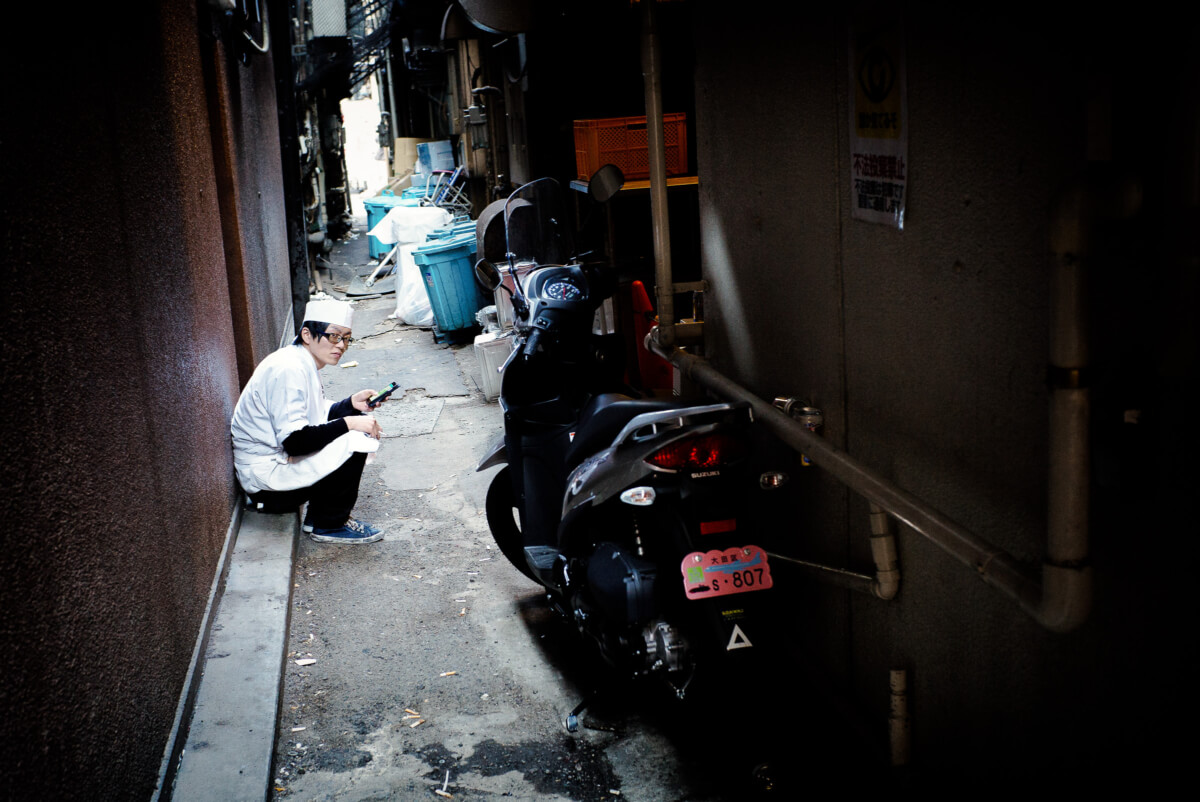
column 652, row 74
column 1066, row 578
column 898, row 726
column 883, row 550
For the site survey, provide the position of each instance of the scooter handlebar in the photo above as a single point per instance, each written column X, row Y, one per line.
column 531, row 342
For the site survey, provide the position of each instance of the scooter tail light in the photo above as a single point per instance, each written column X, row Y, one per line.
column 698, row 453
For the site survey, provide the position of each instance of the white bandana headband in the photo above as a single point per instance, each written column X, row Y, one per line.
column 337, row 313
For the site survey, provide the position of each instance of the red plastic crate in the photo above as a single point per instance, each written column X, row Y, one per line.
column 622, row 141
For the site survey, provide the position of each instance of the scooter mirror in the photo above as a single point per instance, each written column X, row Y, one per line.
column 605, row 183
column 488, row 275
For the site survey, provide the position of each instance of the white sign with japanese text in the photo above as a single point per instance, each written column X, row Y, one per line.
column 878, row 123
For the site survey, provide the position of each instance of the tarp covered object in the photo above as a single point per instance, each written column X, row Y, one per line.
column 407, row 227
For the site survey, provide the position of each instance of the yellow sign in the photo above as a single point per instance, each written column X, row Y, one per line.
column 878, row 112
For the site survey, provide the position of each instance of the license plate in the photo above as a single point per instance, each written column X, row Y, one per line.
column 722, row 573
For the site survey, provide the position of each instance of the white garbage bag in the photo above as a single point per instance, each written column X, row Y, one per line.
column 412, row 301
column 409, row 226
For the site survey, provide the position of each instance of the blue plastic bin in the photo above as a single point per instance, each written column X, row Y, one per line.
column 377, row 209
column 455, row 231
column 448, row 270
column 417, row 187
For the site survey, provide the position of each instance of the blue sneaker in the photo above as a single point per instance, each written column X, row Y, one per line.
column 307, row 526
column 351, row 532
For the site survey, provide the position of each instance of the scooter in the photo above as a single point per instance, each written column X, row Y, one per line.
column 635, row 513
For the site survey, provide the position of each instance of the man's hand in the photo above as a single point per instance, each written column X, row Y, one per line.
column 359, row 400
column 364, row 423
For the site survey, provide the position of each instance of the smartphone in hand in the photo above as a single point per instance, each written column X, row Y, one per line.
column 382, row 395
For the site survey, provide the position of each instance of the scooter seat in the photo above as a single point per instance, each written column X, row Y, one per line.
column 602, row 419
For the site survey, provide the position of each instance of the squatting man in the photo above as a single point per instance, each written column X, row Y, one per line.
column 290, row 445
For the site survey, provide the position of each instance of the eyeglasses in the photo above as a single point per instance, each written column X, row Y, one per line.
column 336, row 338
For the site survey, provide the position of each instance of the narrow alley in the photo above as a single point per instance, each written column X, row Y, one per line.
column 426, row 661
column 937, row 264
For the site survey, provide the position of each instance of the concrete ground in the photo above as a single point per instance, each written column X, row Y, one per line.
column 437, row 666
column 436, row 662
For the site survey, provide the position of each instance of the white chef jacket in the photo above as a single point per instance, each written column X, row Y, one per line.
column 283, row 396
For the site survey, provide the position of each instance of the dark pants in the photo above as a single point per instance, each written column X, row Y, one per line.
column 329, row 500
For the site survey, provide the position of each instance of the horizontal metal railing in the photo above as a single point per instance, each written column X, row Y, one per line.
column 995, row 566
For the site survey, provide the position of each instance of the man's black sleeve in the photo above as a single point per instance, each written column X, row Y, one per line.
column 314, row 438
column 342, row 408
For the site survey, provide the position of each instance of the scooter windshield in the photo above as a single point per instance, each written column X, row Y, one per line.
column 536, row 225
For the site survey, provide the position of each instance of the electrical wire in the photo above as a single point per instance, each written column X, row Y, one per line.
column 266, row 33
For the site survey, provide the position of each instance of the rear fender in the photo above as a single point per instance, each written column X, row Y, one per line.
column 497, row 454
column 607, row 473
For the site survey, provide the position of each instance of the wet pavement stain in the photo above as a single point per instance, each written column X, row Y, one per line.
column 574, row 769
column 339, row 760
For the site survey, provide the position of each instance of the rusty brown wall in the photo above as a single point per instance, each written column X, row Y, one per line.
column 121, row 213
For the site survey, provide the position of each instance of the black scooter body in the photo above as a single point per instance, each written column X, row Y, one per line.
column 623, row 546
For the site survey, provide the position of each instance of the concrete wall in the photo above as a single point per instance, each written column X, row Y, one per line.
column 125, row 200
column 927, row 350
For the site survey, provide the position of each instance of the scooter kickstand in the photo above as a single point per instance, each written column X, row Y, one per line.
column 571, row 722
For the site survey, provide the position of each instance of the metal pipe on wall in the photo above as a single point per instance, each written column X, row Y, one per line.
column 652, row 73
column 1066, row 579
column 392, row 112
column 899, row 728
column 994, row 565
column 886, row 582
column 1062, row 600
column 883, row 551
column 851, row 580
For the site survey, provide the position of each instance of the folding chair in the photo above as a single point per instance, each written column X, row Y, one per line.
column 447, row 190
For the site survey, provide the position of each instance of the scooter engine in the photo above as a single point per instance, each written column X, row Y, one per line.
column 620, row 610
column 666, row 649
